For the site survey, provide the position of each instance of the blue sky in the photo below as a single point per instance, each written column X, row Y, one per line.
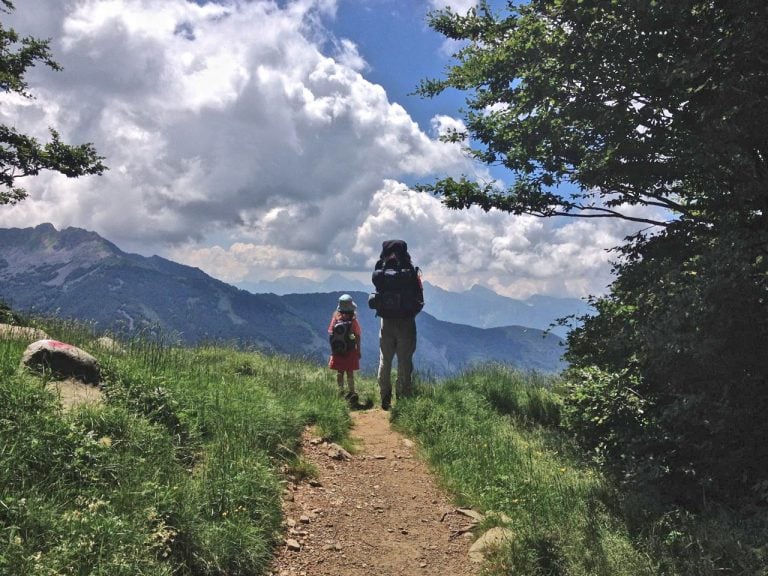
column 401, row 49
column 276, row 138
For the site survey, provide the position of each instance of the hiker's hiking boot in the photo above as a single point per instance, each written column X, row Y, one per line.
column 385, row 402
column 352, row 398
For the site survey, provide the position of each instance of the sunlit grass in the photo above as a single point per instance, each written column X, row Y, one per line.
column 178, row 472
column 482, row 435
column 492, row 436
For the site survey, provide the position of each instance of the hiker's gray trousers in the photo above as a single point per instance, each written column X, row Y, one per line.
column 397, row 337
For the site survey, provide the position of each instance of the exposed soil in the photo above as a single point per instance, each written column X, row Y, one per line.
column 376, row 512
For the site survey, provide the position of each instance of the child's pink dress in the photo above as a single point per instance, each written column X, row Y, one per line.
column 348, row 360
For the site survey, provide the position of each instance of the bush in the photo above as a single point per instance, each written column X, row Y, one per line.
column 605, row 412
column 684, row 326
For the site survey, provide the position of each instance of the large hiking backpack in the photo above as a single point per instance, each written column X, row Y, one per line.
column 342, row 338
column 399, row 293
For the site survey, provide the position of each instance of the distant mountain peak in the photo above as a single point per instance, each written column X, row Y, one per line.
column 481, row 290
column 74, row 273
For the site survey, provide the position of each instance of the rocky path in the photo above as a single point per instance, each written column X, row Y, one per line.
column 377, row 512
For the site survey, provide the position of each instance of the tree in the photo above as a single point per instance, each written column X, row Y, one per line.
column 598, row 107
column 22, row 155
column 638, row 102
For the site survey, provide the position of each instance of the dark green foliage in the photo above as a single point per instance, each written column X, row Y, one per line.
column 605, row 412
column 598, row 108
column 7, row 316
column 686, row 323
column 22, row 155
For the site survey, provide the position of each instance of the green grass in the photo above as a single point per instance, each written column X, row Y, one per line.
column 178, row 472
column 492, row 437
column 482, row 434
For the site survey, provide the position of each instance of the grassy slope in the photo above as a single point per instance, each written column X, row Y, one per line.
column 492, row 436
column 179, row 472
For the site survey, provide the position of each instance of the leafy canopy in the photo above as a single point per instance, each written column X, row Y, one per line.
column 22, row 155
column 641, row 104
column 638, row 102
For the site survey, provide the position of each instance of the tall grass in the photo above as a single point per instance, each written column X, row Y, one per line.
column 178, row 472
column 482, row 433
column 492, row 437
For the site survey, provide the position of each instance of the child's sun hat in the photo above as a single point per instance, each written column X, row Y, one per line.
column 346, row 304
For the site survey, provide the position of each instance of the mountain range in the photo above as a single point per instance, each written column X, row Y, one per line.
column 478, row 306
column 75, row 273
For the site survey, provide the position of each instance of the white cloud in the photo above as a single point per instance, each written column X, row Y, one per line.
column 515, row 255
column 457, row 6
column 442, row 125
column 237, row 145
column 216, row 117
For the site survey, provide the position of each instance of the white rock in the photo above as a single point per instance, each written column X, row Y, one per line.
column 62, row 361
column 469, row 513
column 493, row 539
column 293, row 544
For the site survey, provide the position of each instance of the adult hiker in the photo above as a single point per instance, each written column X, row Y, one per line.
column 399, row 297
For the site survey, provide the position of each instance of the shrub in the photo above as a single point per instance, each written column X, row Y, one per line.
column 605, row 412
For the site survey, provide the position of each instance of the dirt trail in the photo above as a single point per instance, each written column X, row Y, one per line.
column 378, row 512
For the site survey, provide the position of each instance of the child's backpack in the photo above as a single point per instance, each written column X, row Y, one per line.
column 342, row 337
column 399, row 292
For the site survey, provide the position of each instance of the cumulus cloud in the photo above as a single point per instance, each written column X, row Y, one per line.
column 222, row 116
column 243, row 138
column 516, row 256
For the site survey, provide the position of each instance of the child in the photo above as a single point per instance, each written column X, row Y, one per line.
column 344, row 333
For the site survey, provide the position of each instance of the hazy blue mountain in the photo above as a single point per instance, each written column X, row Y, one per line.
column 443, row 347
column 479, row 306
column 299, row 285
column 74, row 273
column 484, row 308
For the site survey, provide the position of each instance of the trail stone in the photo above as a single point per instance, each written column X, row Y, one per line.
column 338, row 453
column 469, row 513
column 72, row 392
column 62, row 361
column 491, row 540
column 107, row 343
column 501, row 517
column 293, row 544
